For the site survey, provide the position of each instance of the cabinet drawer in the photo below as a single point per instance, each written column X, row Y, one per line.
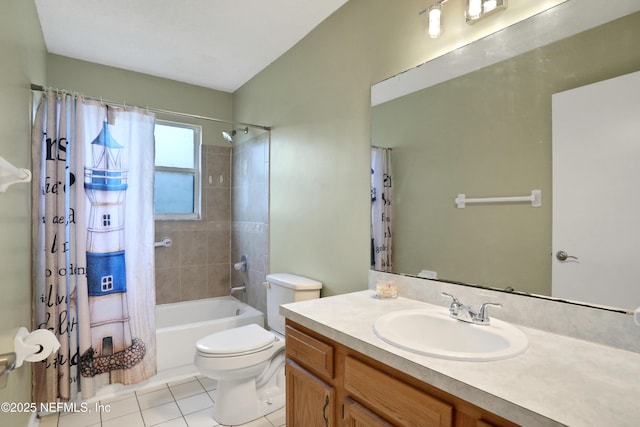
column 397, row 400
column 309, row 352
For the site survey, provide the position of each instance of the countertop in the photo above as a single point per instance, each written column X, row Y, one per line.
column 559, row 380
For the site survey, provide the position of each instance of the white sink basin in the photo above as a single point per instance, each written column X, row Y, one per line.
column 434, row 333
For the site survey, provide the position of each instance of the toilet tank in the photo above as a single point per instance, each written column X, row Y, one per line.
column 283, row 288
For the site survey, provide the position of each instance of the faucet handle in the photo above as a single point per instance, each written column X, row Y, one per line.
column 455, row 303
column 453, row 297
column 483, row 313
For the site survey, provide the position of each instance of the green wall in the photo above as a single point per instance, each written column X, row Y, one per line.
column 23, row 62
column 316, row 96
column 317, row 99
column 129, row 87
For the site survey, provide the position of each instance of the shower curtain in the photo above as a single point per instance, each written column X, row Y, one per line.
column 93, row 245
column 381, row 199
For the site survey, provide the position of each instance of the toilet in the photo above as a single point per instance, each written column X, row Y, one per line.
column 248, row 361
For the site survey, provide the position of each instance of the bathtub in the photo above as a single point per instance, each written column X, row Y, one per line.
column 180, row 325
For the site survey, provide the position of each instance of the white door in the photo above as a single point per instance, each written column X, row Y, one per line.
column 596, row 193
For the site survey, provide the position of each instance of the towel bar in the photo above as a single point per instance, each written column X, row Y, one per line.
column 535, row 199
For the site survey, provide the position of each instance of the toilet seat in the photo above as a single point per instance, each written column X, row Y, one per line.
column 236, row 342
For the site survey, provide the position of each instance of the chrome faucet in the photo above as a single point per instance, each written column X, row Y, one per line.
column 465, row 313
column 241, row 288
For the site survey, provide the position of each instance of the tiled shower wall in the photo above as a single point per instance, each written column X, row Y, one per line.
column 235, row 221
column 250, row 213
column 197, row 265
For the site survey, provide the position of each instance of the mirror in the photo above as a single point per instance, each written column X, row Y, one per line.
column 480, row 124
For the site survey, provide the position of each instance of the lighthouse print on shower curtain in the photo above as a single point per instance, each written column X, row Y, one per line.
column 105, row 183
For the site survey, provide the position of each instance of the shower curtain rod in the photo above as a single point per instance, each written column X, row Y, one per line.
column 39, row 88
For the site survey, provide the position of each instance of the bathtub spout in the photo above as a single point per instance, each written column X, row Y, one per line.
column 241, row 288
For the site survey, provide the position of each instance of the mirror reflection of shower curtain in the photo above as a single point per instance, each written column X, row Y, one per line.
column 381, row 203
column 93, row 245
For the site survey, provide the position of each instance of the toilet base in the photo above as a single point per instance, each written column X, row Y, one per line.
column 240, row 402
column 248, row 386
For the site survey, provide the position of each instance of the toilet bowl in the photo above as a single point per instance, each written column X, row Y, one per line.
column 248, row 362
column 243, row 361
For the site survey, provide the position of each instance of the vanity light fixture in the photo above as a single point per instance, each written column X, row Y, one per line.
column 434, row 19
column 474, row 11
column 489, row 5
column 478, row 9
column 434, row 27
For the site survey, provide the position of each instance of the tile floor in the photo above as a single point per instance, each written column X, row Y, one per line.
column 186, row 403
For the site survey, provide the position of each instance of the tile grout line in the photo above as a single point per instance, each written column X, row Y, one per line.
column 144, row 423
column 176, row 402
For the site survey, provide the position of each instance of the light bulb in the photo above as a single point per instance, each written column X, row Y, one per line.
column 489, row 5
column 435, row 26
column 474, row 9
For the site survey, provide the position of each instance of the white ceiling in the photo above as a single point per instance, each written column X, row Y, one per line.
column 219, row 44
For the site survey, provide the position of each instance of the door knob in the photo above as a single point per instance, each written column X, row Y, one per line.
column 563, row 256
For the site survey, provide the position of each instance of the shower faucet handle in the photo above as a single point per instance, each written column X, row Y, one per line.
column 242, row 265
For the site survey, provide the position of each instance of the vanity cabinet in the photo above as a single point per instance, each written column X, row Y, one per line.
column 329, row 384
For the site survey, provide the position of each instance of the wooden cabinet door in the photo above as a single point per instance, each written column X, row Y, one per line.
column 396, row 400
column 310, row 401
column 356, row 415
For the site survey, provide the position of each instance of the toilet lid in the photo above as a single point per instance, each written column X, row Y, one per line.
column 241, row 340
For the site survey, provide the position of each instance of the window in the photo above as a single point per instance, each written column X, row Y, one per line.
column 106, row 220
column 107, row 283
column 107, row 346
column 177, row 170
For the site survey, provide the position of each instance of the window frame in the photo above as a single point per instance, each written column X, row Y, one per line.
column 196, row 171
